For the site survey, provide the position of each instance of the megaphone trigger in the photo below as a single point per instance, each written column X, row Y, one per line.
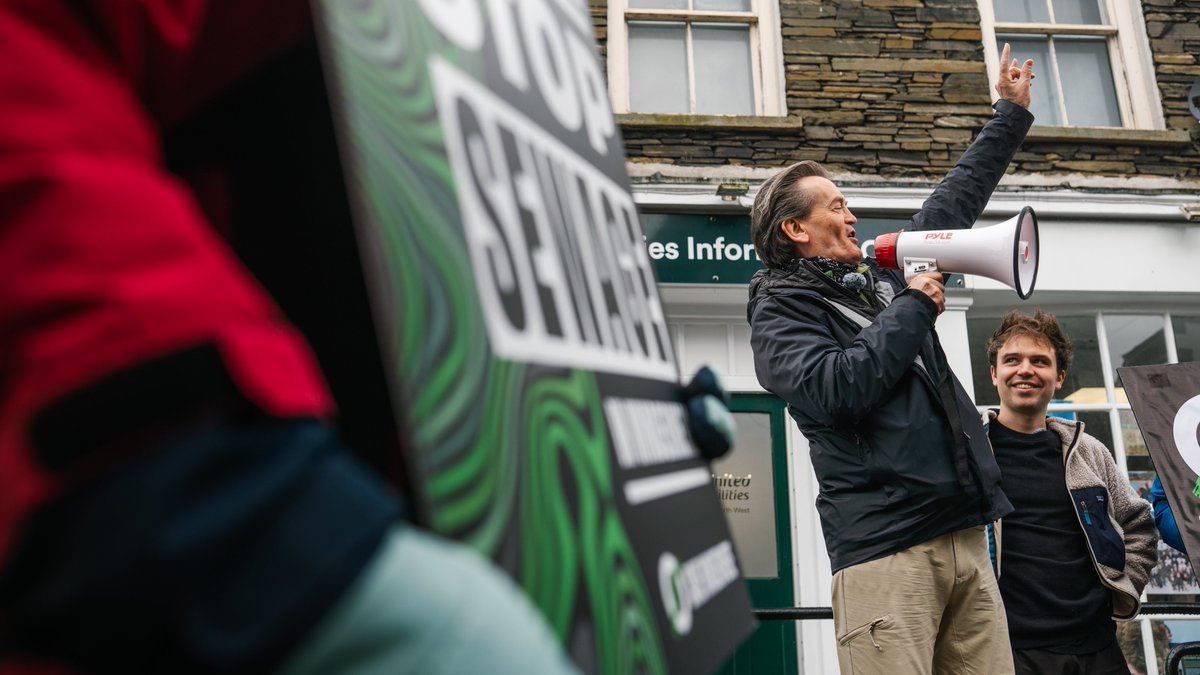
column 1007, row 252
column 915, row 266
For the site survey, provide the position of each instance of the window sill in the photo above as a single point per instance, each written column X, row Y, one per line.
column 1110, row 136
column 736, row 122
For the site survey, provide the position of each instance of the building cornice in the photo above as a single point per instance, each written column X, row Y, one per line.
column 693, row 189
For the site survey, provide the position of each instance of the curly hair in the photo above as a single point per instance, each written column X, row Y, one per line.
column 776, row 201
column 1042, row 326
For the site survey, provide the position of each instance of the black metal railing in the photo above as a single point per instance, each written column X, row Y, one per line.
column 810, row 613
column 793, row 613
column 1175, row 664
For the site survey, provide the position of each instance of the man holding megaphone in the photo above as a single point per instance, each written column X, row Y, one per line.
column 907, row 479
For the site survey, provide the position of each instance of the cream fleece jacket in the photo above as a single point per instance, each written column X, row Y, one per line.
column 1089, row 465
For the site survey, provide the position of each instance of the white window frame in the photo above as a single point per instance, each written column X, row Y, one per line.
column 1128, row 53
column 766, row 51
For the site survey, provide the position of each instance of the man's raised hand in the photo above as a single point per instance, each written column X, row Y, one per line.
column 1015, row 83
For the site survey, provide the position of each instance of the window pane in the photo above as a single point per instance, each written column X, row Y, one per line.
column 1077, row 11
column 658, row 4
column 1134, row 340
column 1045, row 106
column 1096, row 423
column 1024, row 11
column 1172, row 575
column 1085, row 377
column 978, row 332
column 724, row 81
column 723, row 5
column 1129, row 636
column 1187, row 337
column 1142, row 482
column 1087, row 79
column 657, row 67
column 1136, row 455
column 1184, row 629
column 745, row 484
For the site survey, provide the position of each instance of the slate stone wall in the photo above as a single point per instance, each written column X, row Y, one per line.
column 899, row 87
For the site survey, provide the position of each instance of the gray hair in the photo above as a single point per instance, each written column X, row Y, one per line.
column 778, row 199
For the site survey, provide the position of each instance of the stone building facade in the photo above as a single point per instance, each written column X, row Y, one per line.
column 898, row 88
column 886, row 94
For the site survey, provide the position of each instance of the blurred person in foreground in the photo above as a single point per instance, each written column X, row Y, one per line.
column 907, row 480
column 1078, row 548
column 174, row 495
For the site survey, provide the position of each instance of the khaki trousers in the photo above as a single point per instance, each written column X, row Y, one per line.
column 933, row 608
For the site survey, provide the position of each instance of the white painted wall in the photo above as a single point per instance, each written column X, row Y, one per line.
column 1094, row 256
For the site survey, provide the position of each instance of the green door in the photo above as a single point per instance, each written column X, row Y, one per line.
column 752, row 481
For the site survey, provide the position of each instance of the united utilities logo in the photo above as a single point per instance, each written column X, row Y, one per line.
column 688, row 586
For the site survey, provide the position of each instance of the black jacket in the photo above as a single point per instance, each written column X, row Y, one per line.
column 897, row 446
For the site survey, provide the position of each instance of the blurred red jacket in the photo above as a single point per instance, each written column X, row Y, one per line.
column 106, row 259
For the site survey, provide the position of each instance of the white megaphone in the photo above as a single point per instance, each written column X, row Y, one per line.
column 1007, row 252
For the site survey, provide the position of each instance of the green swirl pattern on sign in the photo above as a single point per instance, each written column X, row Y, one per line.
column 501, row 449
column 566, row 435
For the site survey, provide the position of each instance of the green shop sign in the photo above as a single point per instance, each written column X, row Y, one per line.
column 716, row 249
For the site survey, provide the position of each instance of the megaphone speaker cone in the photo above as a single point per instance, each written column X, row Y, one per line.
column 1027, row 253
column 1007, row 252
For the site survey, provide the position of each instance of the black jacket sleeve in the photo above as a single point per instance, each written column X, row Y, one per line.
column 798, row 358
column 959, row 199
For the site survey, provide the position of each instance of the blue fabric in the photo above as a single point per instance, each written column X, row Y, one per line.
column 216, row 550
column 991, row 534
column 1168, row 529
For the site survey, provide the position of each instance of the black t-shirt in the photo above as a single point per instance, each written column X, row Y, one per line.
column 1052, row 595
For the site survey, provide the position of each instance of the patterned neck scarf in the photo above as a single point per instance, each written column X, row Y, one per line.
column 850, row 277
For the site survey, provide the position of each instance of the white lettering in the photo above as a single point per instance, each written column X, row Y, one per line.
column 563, row 276
column 565, row 67
column 551, row 64
column 718, row 249
column 687, row 587
column 508, row 46
column 458, row 20
column 648, row 432
column 593, row 91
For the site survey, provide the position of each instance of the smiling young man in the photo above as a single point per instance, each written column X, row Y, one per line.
column 907, row 480
column 1080, row 543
